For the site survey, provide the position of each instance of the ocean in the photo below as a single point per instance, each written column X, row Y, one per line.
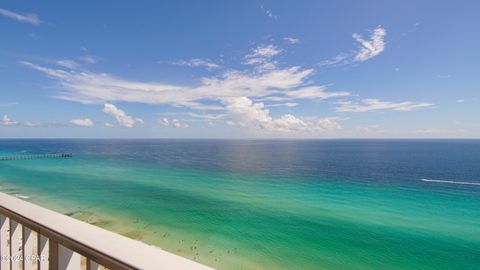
column 268, row 204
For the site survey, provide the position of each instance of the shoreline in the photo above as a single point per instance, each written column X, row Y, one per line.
column 163, row 238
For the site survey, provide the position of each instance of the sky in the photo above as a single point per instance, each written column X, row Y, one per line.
column 239, row 69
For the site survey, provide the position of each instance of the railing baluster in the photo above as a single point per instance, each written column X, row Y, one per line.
column 29, row 249
column 91, row 265
column 68, row 259
column 16, row 244
column 43, row 252
column 4, row 242
column 52, row 255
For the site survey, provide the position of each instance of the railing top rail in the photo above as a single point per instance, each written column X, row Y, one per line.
column 93, row 242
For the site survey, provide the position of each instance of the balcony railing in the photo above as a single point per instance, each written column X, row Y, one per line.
column 32, row 237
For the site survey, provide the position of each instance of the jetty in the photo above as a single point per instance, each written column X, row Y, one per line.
column 35, row 156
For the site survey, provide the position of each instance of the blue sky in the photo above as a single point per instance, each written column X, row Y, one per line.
column 244, row 69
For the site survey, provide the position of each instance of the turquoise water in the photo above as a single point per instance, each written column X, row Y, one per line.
column 268, row 204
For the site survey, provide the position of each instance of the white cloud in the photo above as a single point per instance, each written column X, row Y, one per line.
column 367, row 105
column 329, row 123
column 109, row 125
column 122, row 118
column 370, row 48
column 261, row 57
column 6, row 121
column 30, row 124
column 460, row 100
column 53, row 73
column 67, row 63
column 248, row 113
column 85, row 122
column 291, row 40
column 265, row 81
column 173, row 123
column 252, row 115
column 178, row 124
column 164, row 121
column 26, row 18
column 315, row 92
column 90, row 59
column 207, row 116
column 88, row 87
column 341, row 58
column 286, row 104
column 197, row 62
column 273, row 98
column 367, row 49
column 268, row 12
column 266, row 51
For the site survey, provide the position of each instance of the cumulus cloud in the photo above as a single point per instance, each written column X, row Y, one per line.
column 176, row 123
column 370, row 48
column 197, row 62
column 164, row 121
column 329, row 123
column 266, row 51
column 252, row 115
column 6, row 121
column 122, row 118
column 24, row 18
column 85, row 122
column 261, row 57
column 367, row 105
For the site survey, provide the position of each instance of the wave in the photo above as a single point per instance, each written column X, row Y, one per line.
column 450, row 182
column 21, row 196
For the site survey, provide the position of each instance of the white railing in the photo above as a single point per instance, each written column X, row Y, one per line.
column 32, row 237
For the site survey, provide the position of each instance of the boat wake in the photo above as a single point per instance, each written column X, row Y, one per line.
column 450, row 182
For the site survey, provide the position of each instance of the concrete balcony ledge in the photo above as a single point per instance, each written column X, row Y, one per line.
column 33, row 237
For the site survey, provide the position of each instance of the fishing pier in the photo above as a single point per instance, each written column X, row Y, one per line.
column 35, row 156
